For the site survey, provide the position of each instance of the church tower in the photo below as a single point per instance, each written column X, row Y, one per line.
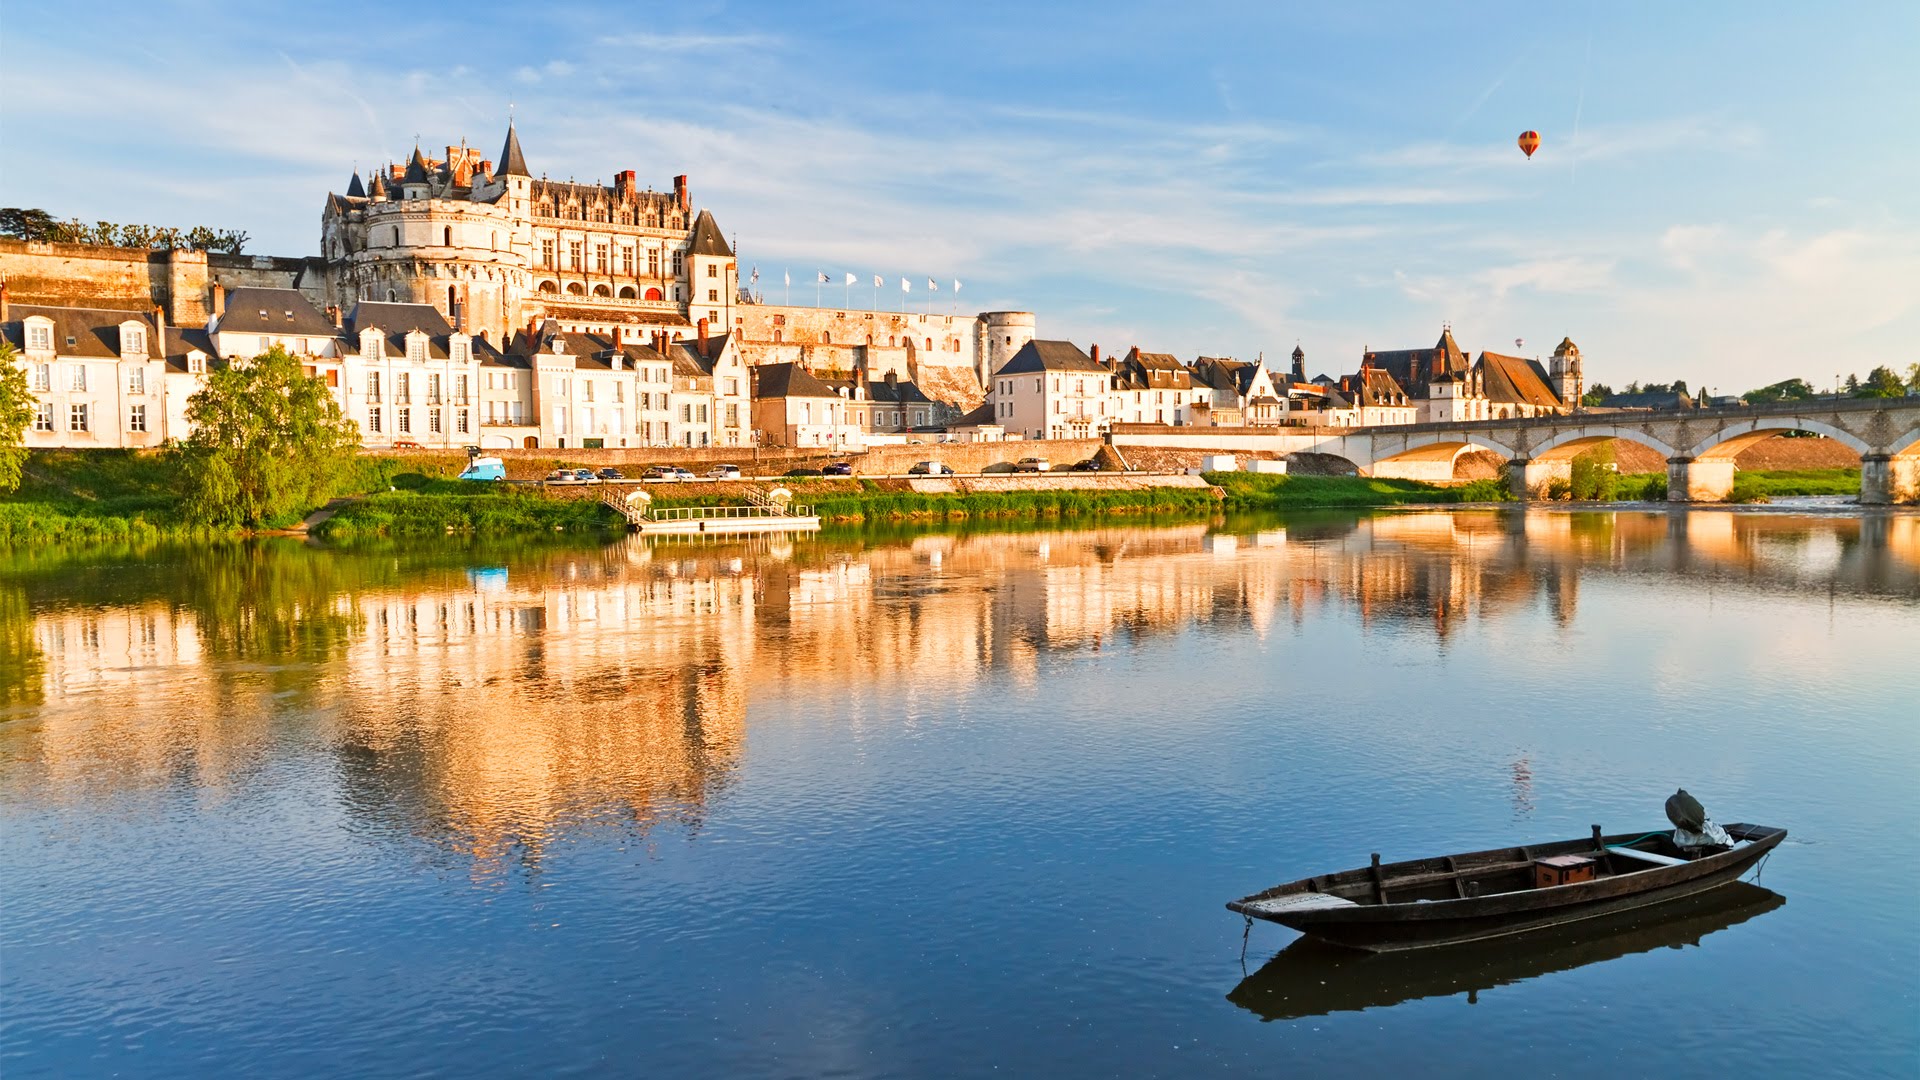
column 1568, row 382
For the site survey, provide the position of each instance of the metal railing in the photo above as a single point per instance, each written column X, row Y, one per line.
column 719, row 513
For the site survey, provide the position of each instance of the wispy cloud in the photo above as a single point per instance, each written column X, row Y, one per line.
column 679, row 43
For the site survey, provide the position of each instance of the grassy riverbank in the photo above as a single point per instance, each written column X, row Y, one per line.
column 1266, row 491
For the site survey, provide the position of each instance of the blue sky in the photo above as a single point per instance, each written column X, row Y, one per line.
column 1727, row 193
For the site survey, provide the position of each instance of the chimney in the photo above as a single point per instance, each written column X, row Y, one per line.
column 5, row 300
column 703, row 337
column 680, row 192
column 219, row 299
column 334, row 313
column 1096, row 354
column 159, row 324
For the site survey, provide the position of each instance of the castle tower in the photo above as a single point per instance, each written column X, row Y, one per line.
column 1568, row 381
column 1002, row 334
column 1299, row 364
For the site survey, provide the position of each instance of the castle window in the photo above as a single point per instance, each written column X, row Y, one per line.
column 450, row 299
column 626, row 261
column 447, row 236
column 573, row 254
column 549, row 287
column 826, row 338
column 929, row 344
column 574, row 288
column 653, row 294
column 626, row 292
column 546, row 252
column 713, row 270
column 600, row 258
column 679, row 264
column 601, row 290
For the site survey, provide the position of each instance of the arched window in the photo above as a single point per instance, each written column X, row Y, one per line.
column 450, row 298
column 826, row 338
column 390, row 296
column 626, row 292
column 574, row 288
column 496, row 241
column 447, row 236
column 929, row 344
column 653, row 294
column 549, row 287
column 601, row 290
column 776, row 337
column 893, row 341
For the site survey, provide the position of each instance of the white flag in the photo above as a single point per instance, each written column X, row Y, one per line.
column 755, row 279
column 851, row 278
column 878, row 281
column 906, row 285
column 932, row 285
column 824, row 278
column 956, row 284
column 788, row 275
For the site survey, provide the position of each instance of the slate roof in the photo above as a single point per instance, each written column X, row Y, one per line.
column 91, row 332
column 416, row 169
column 1039, row 355
column 512, row 161
column 707, row 239
column 355, row 189
column 980, row 417
column 593, row 314
column 391, row 317
column 1516, row 380
column 1668, row 400
column 1416, row 369
column 788, row 381
column 183, row 340
column 1373, row 386
column 273, row 311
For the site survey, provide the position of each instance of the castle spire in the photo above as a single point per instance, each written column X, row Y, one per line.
column 356, row 190
column 512, row 161
column 416, row 167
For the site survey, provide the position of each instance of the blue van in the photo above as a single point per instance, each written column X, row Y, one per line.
column 484, row 468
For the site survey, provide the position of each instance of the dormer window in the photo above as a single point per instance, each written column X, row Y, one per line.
column 416, row 348
column 39, row 334
column 133, row 341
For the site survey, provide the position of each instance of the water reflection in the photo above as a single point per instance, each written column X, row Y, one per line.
column 490, row 699
column 1308, row 978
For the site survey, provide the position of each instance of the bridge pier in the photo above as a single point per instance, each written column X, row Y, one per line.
column 1886, row 480
column 1699, row 479
column 1528, row 478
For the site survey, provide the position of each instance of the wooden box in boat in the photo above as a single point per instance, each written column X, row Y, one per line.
column 1478, row 895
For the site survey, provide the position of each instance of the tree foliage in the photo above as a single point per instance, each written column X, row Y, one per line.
column 16, row 409
column 1596, row 395
column 1881, row 382
column 269, row 442
column 23, row 224
column 1784, row 390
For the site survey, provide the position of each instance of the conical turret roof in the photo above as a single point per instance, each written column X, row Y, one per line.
column 355, row 189
column 416, row 168
column 512, row 161
column 707, row 239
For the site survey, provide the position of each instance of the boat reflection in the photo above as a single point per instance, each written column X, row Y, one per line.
column 1309, row 978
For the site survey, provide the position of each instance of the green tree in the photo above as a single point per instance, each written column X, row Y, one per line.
column 1882, row 382
column 269, row 442
column 24, row 224
column 1913, row 378
column 16, row 408
column 1785, row 390
column 1596, row 395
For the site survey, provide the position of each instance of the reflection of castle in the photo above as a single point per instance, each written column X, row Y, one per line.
column 492, row 711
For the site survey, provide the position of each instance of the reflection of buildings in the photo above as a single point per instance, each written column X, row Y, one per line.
column 492, row 710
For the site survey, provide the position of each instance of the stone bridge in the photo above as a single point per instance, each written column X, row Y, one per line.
column 1699, row 444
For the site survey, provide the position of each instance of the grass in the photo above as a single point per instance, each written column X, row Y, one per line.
column 1758, row 485
column 1265, row 491
column 490, row 512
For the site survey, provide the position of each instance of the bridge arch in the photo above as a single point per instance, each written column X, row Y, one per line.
column 1730, row 440
column 1573, row 441
column 1441, row 446
column 1907, row 445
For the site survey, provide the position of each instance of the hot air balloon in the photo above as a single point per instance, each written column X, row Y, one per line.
column 1529, row 142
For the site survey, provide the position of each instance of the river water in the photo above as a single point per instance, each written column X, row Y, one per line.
column 948, row 803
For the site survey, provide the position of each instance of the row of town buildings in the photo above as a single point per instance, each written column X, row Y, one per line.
column 461, row 301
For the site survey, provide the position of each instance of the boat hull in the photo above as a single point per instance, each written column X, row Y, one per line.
column 1392, row 927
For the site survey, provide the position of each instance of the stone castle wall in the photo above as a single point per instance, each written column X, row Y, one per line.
column 181, row 282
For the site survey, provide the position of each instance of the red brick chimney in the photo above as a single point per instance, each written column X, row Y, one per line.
column 680, row 192
column 219, row 299
column 334, row 313
column 703, row 337
column 1096, row 354
column 159, row 324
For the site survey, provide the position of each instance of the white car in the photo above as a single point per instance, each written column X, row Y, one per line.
column 724, row 472
column 1032, row 464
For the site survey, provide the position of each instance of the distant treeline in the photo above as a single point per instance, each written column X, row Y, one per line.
column 1881, row 382
column 39, row 225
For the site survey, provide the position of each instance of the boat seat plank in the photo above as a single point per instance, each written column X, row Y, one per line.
column 1297, row 902
column 1646, row 856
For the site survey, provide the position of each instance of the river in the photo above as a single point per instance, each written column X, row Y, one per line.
column 948, row 803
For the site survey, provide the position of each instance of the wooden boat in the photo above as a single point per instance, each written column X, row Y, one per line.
column 1489, row 894
column 1312, row 978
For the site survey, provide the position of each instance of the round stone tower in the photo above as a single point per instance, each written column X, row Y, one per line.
column 1002, row 333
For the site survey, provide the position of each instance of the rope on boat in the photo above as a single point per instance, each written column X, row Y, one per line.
column 1244, row 935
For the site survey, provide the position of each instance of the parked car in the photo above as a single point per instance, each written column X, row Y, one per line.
column 838, row 468
column 585, row 476
column 724, row 472
column 405, row 444
column 1031, row 464
column 484, row 468
column 611, row 473
column 659, row 472
column 683, row 474
column 929, row 468
column 561, row 476
column 1089, row 465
